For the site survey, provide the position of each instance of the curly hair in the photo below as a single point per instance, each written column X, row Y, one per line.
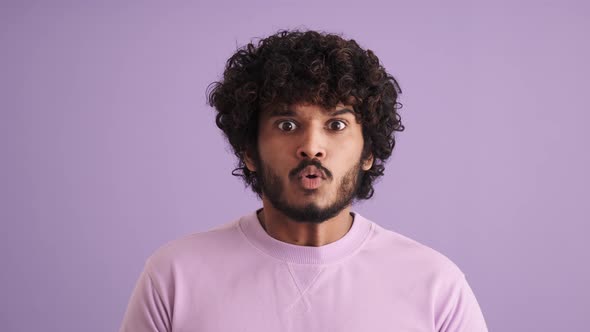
column 292, row 67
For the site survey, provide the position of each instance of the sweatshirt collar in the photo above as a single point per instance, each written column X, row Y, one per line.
column 331, row 252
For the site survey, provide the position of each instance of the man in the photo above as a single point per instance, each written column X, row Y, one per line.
column 311, row 118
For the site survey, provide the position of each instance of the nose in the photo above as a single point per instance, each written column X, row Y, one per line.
column 312, row 145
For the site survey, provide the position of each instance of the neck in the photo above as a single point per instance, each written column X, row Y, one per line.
column 284, row 229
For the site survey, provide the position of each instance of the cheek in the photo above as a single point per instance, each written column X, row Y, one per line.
column 350, row 153
column 270, row 148
column 274, row 154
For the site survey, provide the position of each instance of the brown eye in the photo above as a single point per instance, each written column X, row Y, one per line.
column 287, row 125
column 337, row 125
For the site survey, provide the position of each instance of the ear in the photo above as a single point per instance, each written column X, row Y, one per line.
column 249, row 161
column 368, row 163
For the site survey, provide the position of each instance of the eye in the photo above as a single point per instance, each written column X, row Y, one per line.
column 287, row 125
column 337, row 125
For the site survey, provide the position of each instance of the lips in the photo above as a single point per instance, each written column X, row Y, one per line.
column 310, row 177
column 311, row 172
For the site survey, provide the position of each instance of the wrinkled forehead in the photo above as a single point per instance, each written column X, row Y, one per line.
column 286, row 108
column 306, row 109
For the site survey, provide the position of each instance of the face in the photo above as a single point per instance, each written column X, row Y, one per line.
column 309, row 160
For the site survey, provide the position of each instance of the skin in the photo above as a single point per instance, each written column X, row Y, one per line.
column 305, row 131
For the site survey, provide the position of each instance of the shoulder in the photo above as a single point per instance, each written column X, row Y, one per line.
column 401, row 252
column 194, row 249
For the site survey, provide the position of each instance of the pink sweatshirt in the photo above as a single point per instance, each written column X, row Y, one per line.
column 237, row 278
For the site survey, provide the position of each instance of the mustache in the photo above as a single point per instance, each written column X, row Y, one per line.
column 310, row 162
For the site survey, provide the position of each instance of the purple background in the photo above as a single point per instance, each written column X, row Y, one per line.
column 109, row 149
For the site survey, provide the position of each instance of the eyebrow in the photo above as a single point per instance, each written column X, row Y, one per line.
column 340, row 112
column 290, row 112
column 281, row 112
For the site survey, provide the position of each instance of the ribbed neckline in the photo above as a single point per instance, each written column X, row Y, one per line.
column 331, row 252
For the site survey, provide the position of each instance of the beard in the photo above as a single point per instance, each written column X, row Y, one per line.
column 273, row 189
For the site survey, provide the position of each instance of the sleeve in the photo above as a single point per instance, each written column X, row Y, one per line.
column 147, row 309
column 461, row 312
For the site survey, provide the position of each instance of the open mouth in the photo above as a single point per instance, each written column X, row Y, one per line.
column 311, row 178
column 311, row 172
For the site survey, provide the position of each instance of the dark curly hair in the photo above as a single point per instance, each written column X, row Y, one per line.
column 292, row 67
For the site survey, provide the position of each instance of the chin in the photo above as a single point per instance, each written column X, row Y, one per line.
column 310, row 196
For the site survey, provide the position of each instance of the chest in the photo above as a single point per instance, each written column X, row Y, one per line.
column 296, row 298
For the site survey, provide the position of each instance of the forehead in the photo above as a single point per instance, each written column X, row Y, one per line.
column 307, row 111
